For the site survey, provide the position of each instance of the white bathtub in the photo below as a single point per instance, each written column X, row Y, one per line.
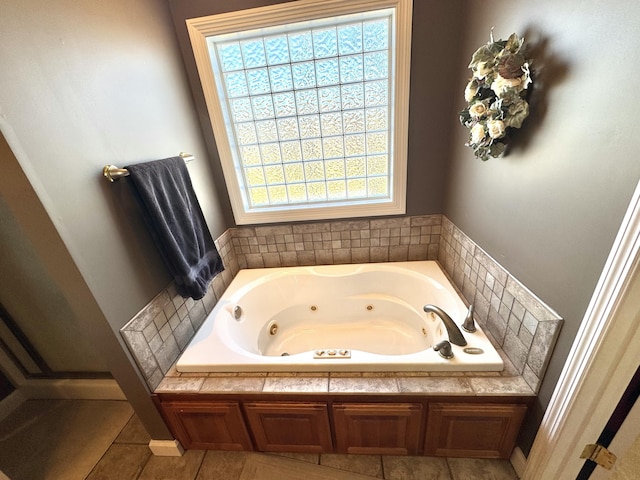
column 366, row 317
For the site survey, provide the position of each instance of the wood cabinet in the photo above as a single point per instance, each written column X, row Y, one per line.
column 384, row 425
column 479, row 430
column 377, row 428
column 290, row 427
column 208, row 425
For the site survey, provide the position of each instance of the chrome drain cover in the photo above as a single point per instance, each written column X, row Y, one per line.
column 473, row 350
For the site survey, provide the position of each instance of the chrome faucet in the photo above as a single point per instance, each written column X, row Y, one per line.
column 444, row 349
column 455, row 335
column 468, row 325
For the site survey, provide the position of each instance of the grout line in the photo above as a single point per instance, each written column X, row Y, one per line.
column 200, row 466
column 110, row 445
column 144, row 466
column 449, row 468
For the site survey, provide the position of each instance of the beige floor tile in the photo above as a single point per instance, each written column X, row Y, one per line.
column 121, row 462
column 29, row 412
column 222, row 465
column 304, row 457
column 134, row 432
column 271, row 467
column 415, row 468
column 486, row 469
column 51, row 439
column 173, row 468
column 365, row 464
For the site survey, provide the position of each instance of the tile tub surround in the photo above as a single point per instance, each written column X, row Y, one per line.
column 396, row 239
column 517, row 322
column 162, row 329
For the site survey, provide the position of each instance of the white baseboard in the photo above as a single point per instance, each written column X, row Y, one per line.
column 10, row 403
column 518, row 461
column 80, row 389
column 166, row 448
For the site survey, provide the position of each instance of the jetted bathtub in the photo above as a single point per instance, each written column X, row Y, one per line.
column 366, row 317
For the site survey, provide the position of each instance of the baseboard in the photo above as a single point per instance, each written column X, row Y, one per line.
column 10, row 403
column 166, row 448
column 518, row 461
column 80, row 389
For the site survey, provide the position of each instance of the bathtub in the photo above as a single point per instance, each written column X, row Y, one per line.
column 366, row 317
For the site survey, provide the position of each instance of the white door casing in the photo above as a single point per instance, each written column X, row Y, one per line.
column 602, row 360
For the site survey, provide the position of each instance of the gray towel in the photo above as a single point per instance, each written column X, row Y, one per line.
column 176, row 223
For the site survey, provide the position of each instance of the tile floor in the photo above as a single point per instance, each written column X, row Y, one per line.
column 103, row 440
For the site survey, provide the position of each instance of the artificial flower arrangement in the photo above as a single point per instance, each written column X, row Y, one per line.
column 496, row 95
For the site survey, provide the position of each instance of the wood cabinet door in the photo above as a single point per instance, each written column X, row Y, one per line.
column 290, row 427
column 478, row 430
column 208, row 425
column 377, row 428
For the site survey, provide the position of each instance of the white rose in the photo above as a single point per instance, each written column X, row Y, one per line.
column 477, row 133
column 481, row 70
column 500, row 85
column 496, row 128
column 470, row 91
column 477, row 110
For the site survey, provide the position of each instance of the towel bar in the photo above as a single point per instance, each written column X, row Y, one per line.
column 111, row 172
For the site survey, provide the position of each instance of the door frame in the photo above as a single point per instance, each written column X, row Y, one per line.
column 600, row 364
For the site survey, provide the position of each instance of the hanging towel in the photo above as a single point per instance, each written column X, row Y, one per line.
column 176, row 223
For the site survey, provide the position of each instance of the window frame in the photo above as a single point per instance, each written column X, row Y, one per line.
column 291, row 12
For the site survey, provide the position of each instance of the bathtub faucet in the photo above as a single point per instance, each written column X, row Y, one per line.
column 455, row 335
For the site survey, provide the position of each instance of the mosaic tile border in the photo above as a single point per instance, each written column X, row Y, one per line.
column 519, row 322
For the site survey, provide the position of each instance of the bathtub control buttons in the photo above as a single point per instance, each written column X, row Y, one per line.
column 332, row 353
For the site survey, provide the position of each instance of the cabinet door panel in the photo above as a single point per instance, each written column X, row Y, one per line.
column 208, row 425
column 381, row 429
column 290, row 427
column 473, row 430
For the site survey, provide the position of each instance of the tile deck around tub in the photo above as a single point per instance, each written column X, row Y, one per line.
column 506, row 382
column 515, row 320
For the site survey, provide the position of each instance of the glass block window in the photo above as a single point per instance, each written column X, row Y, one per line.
column 308, row 110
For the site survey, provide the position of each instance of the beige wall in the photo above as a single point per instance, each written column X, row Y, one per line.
column 27, row 290
column 549, row 211
column 84, row 84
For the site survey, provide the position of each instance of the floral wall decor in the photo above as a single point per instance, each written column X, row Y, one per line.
column 496, row 95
